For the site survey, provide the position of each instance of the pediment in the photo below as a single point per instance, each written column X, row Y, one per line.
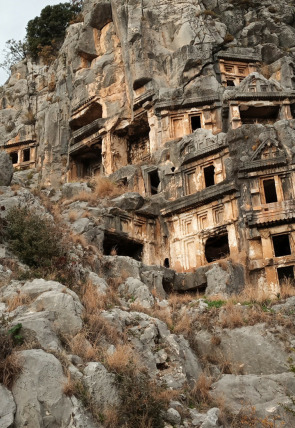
column 255, row 82
column 268, row 149
column 269, row 154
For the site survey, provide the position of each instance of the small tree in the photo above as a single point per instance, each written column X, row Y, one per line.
column 48, row 29
column 15, row 51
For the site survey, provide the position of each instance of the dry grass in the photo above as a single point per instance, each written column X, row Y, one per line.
column 232, row 316
column 215, row 340
column 287, row 289
column 111, row 417
column 177, row 300
column 10, row 369
column 183, row 325
column 69, row 387
column 121, row 359
column 79, row 239
column 104, row 187
column 163, row 314
column 72, row 216
column 79, row 345
column 200, row 392
column 17, row 300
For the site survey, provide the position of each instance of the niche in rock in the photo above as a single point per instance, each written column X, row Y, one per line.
column 216, row 248
column 117, row 244
column 263, row 115
column 93, row 112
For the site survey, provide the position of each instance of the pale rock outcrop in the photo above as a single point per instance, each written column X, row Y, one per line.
column 7, row 408
column 255, row 349
column 38, row 392
column 6, row 169
column 269, row 394
column 136, row 292
column 101, row 385
column 67, row 309
column 99, row 283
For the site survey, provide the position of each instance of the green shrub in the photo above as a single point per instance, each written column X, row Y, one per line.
column 214, row 303
column 48, row 29
column 33, row 239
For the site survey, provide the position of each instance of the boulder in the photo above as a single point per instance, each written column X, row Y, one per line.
column 68, row 310
column 101, row 385
column 7, row 407
column 136, row 291
column 130, row 201
column 6, row 169
column 39, row 327
column 99, row 283
column 254, row 348
column 71, row 189
column 268, row 395
column 121, row 266
column 38, row 392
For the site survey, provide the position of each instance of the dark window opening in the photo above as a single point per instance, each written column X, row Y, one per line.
column 216, row 248
column 281, row 245
column 87, row 161
column 167, row 285
column 123, row 182
column 166, row 263
column 115, row 244
column 14, row 157
column 93, row 112
column 230, row 83
column 138, row 140
column 196, row 123
column 285, row 273
column 264, row 115
column 154, row 182
column 209, row 175
column 270, row 192
column 26, row 155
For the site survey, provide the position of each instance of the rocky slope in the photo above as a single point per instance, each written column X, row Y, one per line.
column 96, row 340
column 114, row 349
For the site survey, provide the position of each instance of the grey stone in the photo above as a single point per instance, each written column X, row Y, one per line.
column 68, row 310
column 101, row 385
column 6, row 169
column 136, row 291
column 39, row 326
column 80, row 226
column 129, row 201
column 254, row 348
column 116, row 266
column 7, row 408
column 38, row 392
column 99, row 283
column 217, row 281
column 269, row 394
column 173, row 416
column 71, row 189
column 211, row 420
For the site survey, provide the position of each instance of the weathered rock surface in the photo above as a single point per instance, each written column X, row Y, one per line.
column 7, row 408
column 6, row 169
column 101, row 385
column 269, row 394
column 38, row 392
column 255, row 349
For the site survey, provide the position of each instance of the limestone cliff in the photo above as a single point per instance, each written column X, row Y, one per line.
column 161, row 141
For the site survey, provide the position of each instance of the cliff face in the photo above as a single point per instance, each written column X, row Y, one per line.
column 188, row 109
column 126, row 54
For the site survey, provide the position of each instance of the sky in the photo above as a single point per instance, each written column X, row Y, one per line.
column 14, row 16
